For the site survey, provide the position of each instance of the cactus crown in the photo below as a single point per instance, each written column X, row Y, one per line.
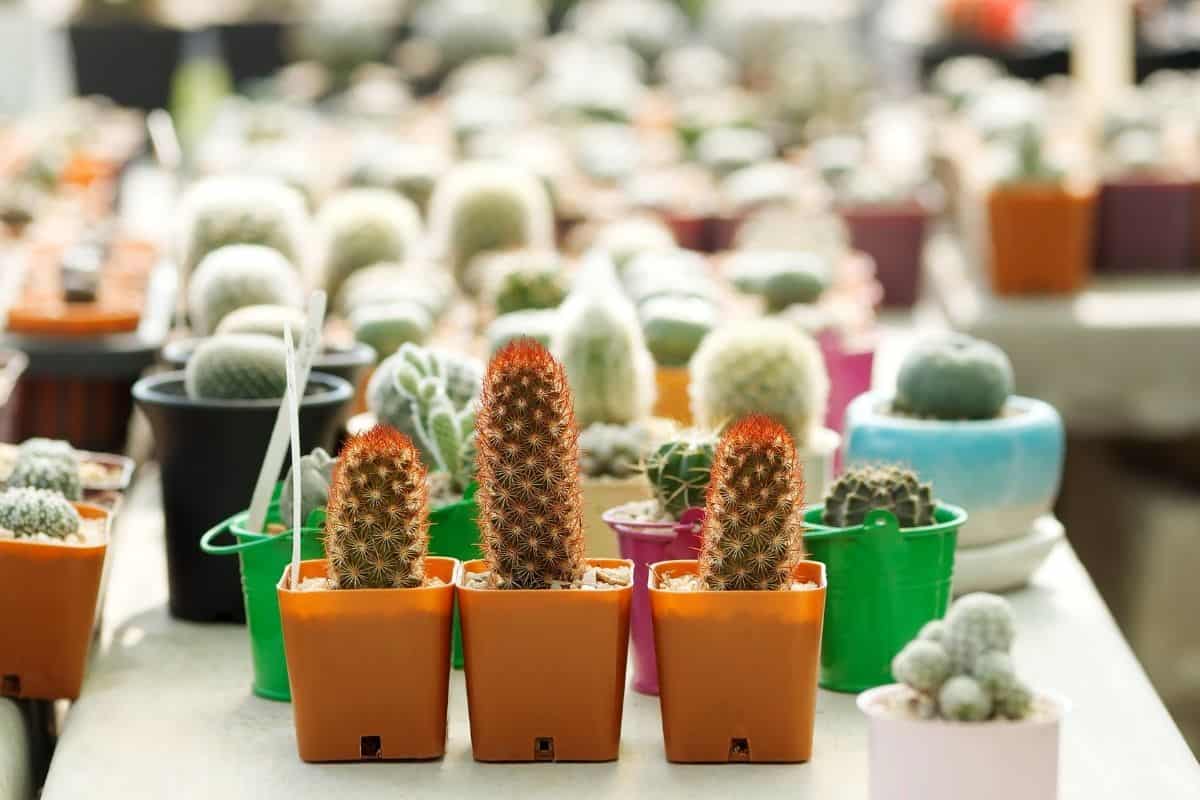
column 679, row 471
column 377, row 522
column 954, row 377
column 753, row 532
column 236, row 276
column 863, row 489
column 531, row 516
column 237, row 366
column 59, row 475
column 29, row 512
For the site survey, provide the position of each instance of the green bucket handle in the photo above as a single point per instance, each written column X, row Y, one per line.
column 316, row 519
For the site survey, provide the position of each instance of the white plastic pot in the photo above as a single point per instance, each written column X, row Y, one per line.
column 913, row 759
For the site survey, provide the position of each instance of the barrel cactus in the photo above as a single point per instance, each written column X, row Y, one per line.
column 227, row 209
column 523, row 280
column 237, row 276
column 55, row 474
column 675, row 326
column 266, row 319
column 760, row 367
column 541, row 325
column 361, row 227
column 954, row 377
column 237, row 366
column 315, row 475
column 530, row 504
column 613, row 451
column 386, row 327
column 753, row 525
column 679, row 471
column 861, row 490
column 28, row 512
column 377, row 521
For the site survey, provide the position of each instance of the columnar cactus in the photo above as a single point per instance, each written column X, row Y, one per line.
column 56, row 474
column 960, row 668
column 237, row 366
column 613, row 451
column 30, row 512
column 753, row 528
column 316, row 473
column 760, row 367
column 480, row 207
column 954, row 377
column 377, row 521
column 266, row 319
column 530, row 506
column 679, row 471
column 237, row 276
column 601, row 346
column 863, row 489
column 362, row 227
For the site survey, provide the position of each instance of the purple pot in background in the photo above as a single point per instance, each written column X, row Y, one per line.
column 894, row 237
column 645, row 543
column 1145, row 224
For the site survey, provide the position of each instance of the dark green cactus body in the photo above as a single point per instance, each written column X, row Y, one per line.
column 679, row 471
column 954, row 377
column 862, row 490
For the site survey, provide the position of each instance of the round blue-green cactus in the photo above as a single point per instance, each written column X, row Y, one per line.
column 56, row 474
column 675, row 326
column 922, row 664
column 954, row 377
column 31, row 512
column 962, row 698
column 782, row 278
column 237, row 366
column 236, row 276
column 978, row 623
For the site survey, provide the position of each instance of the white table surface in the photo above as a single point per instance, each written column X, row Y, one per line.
column 167, row 712
column 16, row 778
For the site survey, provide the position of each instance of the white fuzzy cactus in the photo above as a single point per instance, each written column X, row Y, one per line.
column 271, row 320
column 386, row 327
column 963, row 698
column 237, row 366
column 236, row 276
column 383, row 284
column 362, row 227
column 976, row 624
column 923, row 665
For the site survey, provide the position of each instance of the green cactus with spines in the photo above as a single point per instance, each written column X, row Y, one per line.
column 386, row 327
column 237, row 366
column 384, row 284
column 679, row 471
column 237, row 276
column 760, row 366
column 316, row 473
column 860, row 490
column 614, row 451
column 29, row 512
column 524, row 280
column 57, row 475
column 377, row 520
column 954, row 377
column 271, row 320
column 362, row 227
column 541, row 325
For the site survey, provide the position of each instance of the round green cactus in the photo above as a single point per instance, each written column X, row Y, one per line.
column 675, row 326
column 962, row 698
column 362, row 227
column 923, row 665
column 679, row 471
column 782, row 278
column 613, row 451
column 386, row 327
column 384, row 284
column 236, row 276
column 861, row 490
column 1014, row 701
column 628, row 238
column 761, row 366
column 56, row 474
column 673, row 273
column 523, row 280
column 237, row 366
column 541, row 325
column 978, row 623
column 954, row 377
column 270, row 320
column 29, row 512
column 316, row 473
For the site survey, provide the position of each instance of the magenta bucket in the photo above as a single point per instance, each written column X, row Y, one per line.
column 849, row 369
column 646, row 543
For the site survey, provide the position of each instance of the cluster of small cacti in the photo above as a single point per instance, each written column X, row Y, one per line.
column 762, row 366
column 524, row 280
column 481, row 207
column 226, row 210
column 753, row 526
column 236, row 276
column 860, row 490
column 237, row 366
column 28, row 512
column 954, row 377
column 377, row 520
column 362, row 227
column 316, row 474
column 270, row 320
column 960, row 669
column 56, row 475
column 782, row 279
column 613, row 451
column 530, row 504
column 541, row 325
column 679, row 471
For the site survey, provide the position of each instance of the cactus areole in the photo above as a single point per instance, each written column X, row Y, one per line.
column 531, row 513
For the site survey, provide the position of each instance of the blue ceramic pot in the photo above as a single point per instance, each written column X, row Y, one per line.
column 1005, row 471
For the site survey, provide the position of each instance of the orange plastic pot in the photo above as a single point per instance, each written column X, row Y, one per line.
column 1042, row 238
column 673, row 401
column 48, row 597
column 737, row 671
column 370, row 668
column 545, row 669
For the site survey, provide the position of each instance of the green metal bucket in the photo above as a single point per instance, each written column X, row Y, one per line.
column 263, row 558
column 454, row 532
column 884, row 585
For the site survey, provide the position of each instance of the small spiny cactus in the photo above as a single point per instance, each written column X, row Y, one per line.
column 237, row 366
column 237, row 276
column 976, row 624
column 31, row 512
column 316, row 473
column 679, row 471
column 861, row 490
column 362, row 227
column 266, row 319
column 56, row 474
column 377, row 521
column 530, row 505
column 613, row 451
column 753, row 524
column 523, row 280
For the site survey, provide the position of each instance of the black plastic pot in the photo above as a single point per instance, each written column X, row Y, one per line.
column 253, row 49
column 349, row 364
column 131, row 62
column 209, row 454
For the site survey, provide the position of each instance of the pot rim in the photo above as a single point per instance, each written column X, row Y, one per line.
column 465, row 568
column 867, row 703
column 818, row 530
column 148, row 390
column 653, row 531
column 177, row 352
column 874, row 405
column 652, row 574
column 455, row 576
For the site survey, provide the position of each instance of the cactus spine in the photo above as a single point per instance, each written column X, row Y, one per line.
column 31, row 512
column 237, row 366
column 753, row 526
column 530, row 505
column 377, row 522
column 679, row 471
column 267, row 319
column 56, row 474
column 863, row 489
column 237, row 276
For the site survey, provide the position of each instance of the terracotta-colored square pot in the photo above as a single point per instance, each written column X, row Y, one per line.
column 1042, row 238
column 48, row 598
column 737, row 671
column 369, row 668
column 545, row 669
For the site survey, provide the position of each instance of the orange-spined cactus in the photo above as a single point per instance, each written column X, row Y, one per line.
column 531, row 516
column 377, row 521
column 753, row 531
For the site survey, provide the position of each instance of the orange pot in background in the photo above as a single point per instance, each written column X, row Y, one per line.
column 737, row 671
column 369, row 668
column 673, row 400
column 48, row 597
column 545, row 669
column 1041, row 238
